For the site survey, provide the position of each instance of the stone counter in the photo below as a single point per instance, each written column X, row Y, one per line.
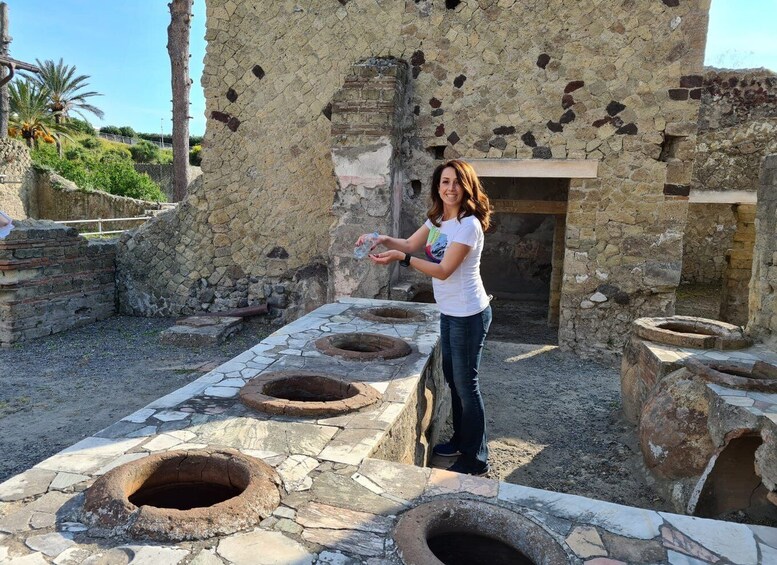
column 339, row 503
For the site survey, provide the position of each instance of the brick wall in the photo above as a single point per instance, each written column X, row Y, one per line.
column 52, row 279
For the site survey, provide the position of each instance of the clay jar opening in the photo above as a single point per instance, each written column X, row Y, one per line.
column 174, row 484
column 363, row 346
column 458, row 532
column 690, row 331
column 297, row 393
column 391, row 315
column 183, row 495
column 686, row 328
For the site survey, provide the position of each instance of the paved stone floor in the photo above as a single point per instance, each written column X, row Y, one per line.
column 339, row 505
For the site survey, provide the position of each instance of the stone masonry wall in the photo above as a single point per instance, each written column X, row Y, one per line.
column 60, row 199
column 739, row 268
column 17, row 189
column 762, row 321
column 163, row 175
column 497, row 79
column 737, row 128
column 708, row 234
column 52, row 279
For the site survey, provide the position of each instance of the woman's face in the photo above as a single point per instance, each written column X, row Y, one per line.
column 450, row 189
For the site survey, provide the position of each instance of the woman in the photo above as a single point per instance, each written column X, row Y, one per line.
column 452, row 237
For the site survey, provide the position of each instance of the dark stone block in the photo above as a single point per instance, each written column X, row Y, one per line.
column 417, row 110
column 614, row 108
column 504, row 130
column 278, row 253
column 543, row 60
column 458, row 82
column 555, row 126
column 435, row 103
column 453, row 138
column 231, row 95
column 628, row 129
column 601, row 122
column 677, row 189
column 614, row 293
column 482, row 145
column 417, row 59
column 567, row 101
column 574, row 85
column 498, row 143
column 438, row 112
column 695, row 94
column 327, row 111
column 451, row 4
column 528, row 139
column 233, row 123
column 541, row 153
column 672, row 3
column 416, row 72
column 440, row 131
column 691, row 81
column 222, row 117
column 616, row 122
column 258, row 72
column 678, row 93
column 567, row 117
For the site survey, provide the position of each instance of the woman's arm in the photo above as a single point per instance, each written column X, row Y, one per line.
column 409, row 245
column 454, row 256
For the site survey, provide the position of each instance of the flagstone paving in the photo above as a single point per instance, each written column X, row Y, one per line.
column 339, row 505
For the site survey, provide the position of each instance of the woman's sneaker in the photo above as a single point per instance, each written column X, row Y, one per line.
column 467, row 469
column 447, row 449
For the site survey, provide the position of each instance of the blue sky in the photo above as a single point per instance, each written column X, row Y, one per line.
column 121, row 44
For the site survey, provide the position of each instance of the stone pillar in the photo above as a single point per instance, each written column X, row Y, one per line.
column 762, row 320
column 557, row 270
column 739, row 267
column 366, row 117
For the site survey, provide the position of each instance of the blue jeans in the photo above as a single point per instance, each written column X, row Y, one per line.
column 462, row 342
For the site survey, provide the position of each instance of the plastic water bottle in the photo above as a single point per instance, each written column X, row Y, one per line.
column 361, row 251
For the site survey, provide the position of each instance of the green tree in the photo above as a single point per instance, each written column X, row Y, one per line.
column 30, row 117
column 144, row 152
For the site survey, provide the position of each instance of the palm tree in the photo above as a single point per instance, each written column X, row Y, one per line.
column 64, row 88
column 29, row 112
column 65, row 92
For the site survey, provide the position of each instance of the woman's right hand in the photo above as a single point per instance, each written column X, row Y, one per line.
column 379, row 241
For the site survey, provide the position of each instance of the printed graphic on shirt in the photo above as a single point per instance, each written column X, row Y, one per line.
column 436, row 243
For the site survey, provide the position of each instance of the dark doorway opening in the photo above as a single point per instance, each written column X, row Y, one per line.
column 523, row 257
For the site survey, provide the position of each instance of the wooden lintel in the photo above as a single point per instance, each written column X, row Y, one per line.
column 17, row 64
column 530, row 206
column 536, row 168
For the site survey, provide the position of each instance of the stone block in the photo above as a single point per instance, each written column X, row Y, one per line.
column 198, row 331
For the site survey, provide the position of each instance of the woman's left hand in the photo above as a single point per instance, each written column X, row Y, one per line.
column 387, row 257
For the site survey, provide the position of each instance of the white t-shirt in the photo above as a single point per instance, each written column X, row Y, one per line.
column 462, row 293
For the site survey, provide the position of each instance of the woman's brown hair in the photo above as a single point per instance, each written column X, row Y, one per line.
column 474, row 201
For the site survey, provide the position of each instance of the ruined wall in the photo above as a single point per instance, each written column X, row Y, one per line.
column 17, row 183
column 737, row 128
column 708, row 234
column 556, row 79
column 163, row 176
column 52, row 279
column 60, row 199
column 762, row 321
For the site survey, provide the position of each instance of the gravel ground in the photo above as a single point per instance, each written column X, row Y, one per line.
column 553, row 419
column 57, row 390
